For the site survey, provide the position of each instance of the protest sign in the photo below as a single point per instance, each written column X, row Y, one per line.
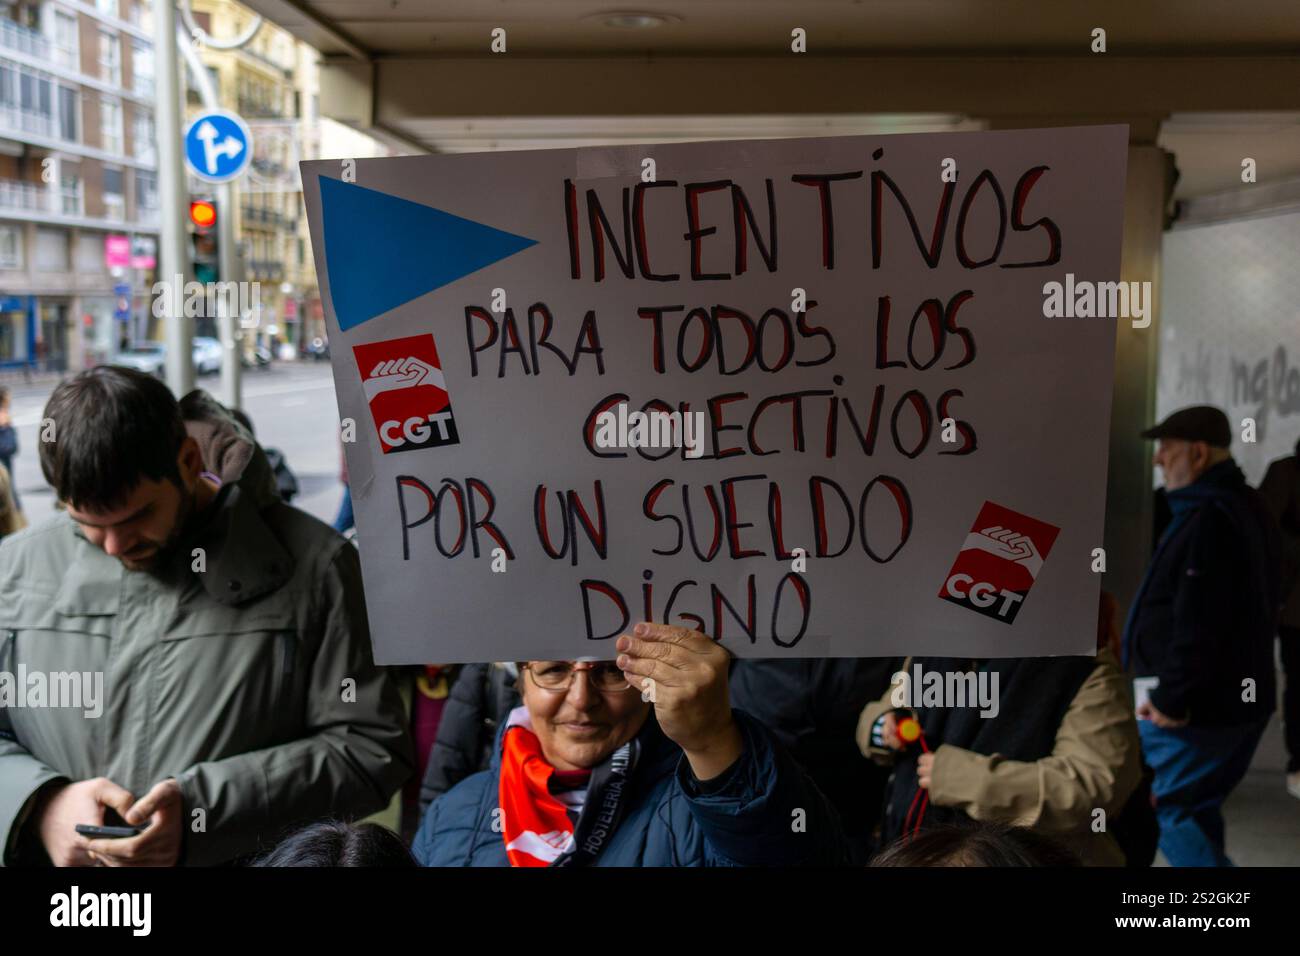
column 803, row 395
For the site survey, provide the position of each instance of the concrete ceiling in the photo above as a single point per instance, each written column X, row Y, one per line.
column 758, row 27
column 1212, row 81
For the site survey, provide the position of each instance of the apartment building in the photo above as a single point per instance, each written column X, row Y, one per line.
column 273, row 83
column 78, row 180
column 260, row 82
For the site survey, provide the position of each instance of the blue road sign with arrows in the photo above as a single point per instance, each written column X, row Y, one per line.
column 218, row 146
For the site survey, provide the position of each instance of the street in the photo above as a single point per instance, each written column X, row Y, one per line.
column 292, row 407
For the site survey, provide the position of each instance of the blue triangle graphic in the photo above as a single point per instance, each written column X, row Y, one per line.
column 381, row 251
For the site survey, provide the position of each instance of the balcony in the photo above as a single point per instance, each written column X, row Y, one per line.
column 259, row 109
column 254, row 215
column 272, row 269
column 269, row 168
column 19, row 196
column 23, row 40
column 18, row 120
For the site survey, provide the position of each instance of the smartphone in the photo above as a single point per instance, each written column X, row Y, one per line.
column 108, row 832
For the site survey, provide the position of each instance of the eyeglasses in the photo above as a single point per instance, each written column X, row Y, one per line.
column 605, row 676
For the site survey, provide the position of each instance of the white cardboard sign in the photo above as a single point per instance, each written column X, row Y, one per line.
column 874, row 441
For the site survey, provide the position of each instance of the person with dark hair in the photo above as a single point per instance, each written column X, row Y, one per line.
column 480, row 700
column 812, row 707
column 8, row 444
column 1200, row 631
column 333, row 843
column 230, row 630
column 1280, row 490
column 602, row 767
column 976, row 845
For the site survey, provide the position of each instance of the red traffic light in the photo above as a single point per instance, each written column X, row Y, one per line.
column 203, row 214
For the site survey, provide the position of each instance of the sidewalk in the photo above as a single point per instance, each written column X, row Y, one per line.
column 17, row 380
column 1263, row 820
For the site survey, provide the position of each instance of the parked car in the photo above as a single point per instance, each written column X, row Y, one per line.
column 147, row 357
column 207, row 355
column 151, row 357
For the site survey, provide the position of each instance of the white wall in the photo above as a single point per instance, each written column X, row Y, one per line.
column 1230, row 317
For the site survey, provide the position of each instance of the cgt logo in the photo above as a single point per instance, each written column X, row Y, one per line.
column 998, row 562
column 408, row 399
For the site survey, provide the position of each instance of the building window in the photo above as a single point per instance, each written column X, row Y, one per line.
column 143, row 136
column 114, row 198
column 90, row 252
column 142, row 14
column 34, row 97
column 11, row 247
column 146, row 191
column 110, row 125
column 113, row 181
column 26, row 102
column 107, row 6
column 67, row 52
column 52, row 250
column 70, row 197
column 13, row 337
column 142, row 69
column 110, row 58
column 69, row 114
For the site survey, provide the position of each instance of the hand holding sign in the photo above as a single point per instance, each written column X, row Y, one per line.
column 691, row 700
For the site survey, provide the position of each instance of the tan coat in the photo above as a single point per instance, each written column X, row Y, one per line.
column 1095, row 762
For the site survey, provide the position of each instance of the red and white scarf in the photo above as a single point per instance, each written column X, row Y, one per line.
column 536, row 824
column 540, row 802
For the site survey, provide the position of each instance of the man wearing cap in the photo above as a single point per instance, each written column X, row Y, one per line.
column 1281, row 490
column 1199, row 636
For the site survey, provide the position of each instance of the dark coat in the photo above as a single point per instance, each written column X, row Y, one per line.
column 1206, row 614
column 1281, row 492
column 751, row 821
column 812, row 708
column 480, row 699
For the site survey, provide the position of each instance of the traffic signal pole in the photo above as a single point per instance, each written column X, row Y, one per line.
column 228, row 323
column 228, row 268
column 178, row 330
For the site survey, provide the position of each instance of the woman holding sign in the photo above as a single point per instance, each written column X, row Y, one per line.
column 635, row 762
